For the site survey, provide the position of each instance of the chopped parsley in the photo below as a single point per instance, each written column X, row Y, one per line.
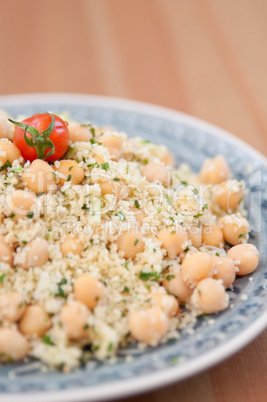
column 47, row 340
column 69, row 177
column 168, row 199
column 217, row 255
column 17, row 170
column 184, row 183
column 60, row 291
column 120, row 216
column 85, row 207
column 187, row 249
column 146, row 276
column 93, row 141
column 96, row 164
column 195, row 191
column 5, row 166
column 24, row 241
column 116, row 179
column 136, row 204
column 126, row 290
column 136, row 242
column 110, row 346
column 30, row 214
column 198, row 216
column 126, row 265
column 12, row 215
column 170, row 277
column 242, row 235
column 105, row 166
column 2, row 277
column 205, row 206
column 71, row 167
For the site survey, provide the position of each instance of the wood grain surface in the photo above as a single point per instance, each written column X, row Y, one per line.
column 207, row 58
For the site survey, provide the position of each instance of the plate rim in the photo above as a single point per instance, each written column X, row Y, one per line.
column 148, row 382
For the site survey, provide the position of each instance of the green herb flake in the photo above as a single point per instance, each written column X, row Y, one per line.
column 110, row 346
column 168, row 199
column 126, row 265
column 47, row 340
column 205, row 206
column 60, row 291
column 154, row 250
column 105, row 166
column 86, row 327
column 120, row 216
column 30, row 214
column 24, row 241
column 184, row 183
column 187, row 249
column 5, row 166
column 198, row 216
column 2, row 277
column 93, row 141
column 126, row 290
column 85, row 207
column 116, row 179
column 69, row 177
column 136, row 204
column 217, row 255
column 71, row 167
column 146, row 276
column 12, row 215
column 242, row 235
column 195, row 191
column 136, row 242
column 170, row 277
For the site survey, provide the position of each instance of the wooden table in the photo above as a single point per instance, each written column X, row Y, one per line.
column 203, row 57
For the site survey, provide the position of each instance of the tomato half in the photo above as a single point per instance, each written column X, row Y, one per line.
column 41, row 121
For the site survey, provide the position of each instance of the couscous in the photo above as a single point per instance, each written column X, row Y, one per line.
column 105, row 242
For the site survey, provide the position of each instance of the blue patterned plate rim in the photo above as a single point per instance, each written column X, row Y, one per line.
column 138, row 384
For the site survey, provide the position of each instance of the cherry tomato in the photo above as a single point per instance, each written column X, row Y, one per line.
column 41, row 122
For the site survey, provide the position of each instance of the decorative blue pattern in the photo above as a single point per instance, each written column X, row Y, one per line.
column 190, row 145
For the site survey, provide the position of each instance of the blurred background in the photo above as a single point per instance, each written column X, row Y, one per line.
column 203, row 57
column 207, row 58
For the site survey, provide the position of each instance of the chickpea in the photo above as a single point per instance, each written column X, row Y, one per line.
column 79, row 133
column 177, row 287
column 131, row 243
column 113, row 143
column 156, row 172
column 35, row 254
column 224, row 269
column 214, row 170
column 235, row 229
column 195, row 235
column 8, row 152
column 210, row 296
column 212, row 235
column 13, row 345
column 18, row 204
column 39, row 177
column 167, row 158
column 88, row 291
column 246, row 258
column 173, row 240
column 73, row 318
column 148, row 325
column 196, row 267
column 71, row 245
column 6, row 252
column 35, row 321
column 12, row 306
column 167, row 303
column 118, row 188
column 6, row 128
column 228, row 195
column 71, row 170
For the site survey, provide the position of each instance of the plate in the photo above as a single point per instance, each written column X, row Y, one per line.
column 212, row 338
